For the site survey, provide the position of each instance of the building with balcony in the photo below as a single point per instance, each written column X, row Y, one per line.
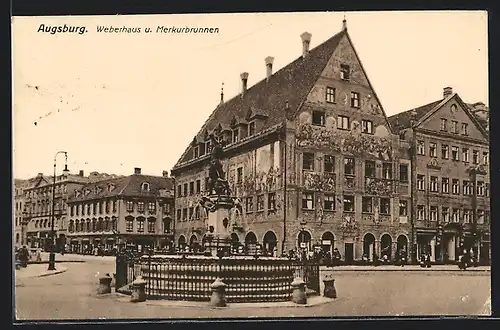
column 449, row 152
column 310, row 155
column 135, row 210
column 39, row 206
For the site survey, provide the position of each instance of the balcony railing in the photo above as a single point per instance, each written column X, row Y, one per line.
column 318, row 181
column 379, row 187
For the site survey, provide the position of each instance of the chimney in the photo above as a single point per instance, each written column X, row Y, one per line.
column 137, row 171
column 306, row 40
column 447, row 91
column 269, row 66
column 165, row 174
column 244, row 80
column 40, row 174
column 81, row 173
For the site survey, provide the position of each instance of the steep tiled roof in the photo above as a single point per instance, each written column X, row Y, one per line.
column 404, row 119
column 475, row 108
column 288, row 86
column 124, row 186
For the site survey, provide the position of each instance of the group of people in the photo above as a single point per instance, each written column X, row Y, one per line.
column 23, row 255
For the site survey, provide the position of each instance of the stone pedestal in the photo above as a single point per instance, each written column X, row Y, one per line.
column 138, row 290
column 218, row 235
column 329, row 290
column 299, row 291
column 218, row 298
column 104, row 284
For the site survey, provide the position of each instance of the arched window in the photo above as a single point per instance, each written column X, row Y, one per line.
column 145, row 186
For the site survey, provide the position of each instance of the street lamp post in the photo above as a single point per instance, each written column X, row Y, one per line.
column 52, row 255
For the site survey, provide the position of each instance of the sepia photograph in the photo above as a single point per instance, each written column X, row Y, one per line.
column 251, row 165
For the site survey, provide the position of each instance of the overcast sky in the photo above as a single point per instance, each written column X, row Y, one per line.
column 119, row 101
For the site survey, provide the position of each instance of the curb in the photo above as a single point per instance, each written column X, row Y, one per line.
column 57, row 262
column 58, row 271
column 123, row 298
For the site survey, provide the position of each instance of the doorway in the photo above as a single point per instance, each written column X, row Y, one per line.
column 349, row 253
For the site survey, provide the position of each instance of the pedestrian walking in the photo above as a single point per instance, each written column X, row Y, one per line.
column 38, row 255
column 23, row 256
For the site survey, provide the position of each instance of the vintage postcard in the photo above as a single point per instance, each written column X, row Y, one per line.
column 250, row 165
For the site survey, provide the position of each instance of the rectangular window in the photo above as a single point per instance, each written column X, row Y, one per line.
column 114, row 205
column 454, row 153
column 485, row 158
column 185, row 189
column 208, row 147
column 445, row 151
column 260, row 202
column 403, row 172
column 444, row 125
column 480, row 188
column 106, row 206
column 196, row 152
column 475, row 157
column 454, row 126
column 349, row 204
column 72, row 211
column 467, row 216
column 251, row 128
column 140, row 206
column 367, row 126
column 151, row 226
column 129, row 205
column 369, row 168
column 249, row 204
column 432, row 149
column 318, row 118
column 330, row 95
column 385, row 206
column 329, row 164
column 466, row 187
column 308, row 161
column 206, row 184
column 445, row 185
column 191, row 188
column 403, row 208
column 420, row 212
column 190, row 213
column 420, row 148
column 433, row 213
column 329, row 202
column 152, row 207
column 271, row 201
column 455, row 186
column 387, row 170
column 446, row 214
column 179, row 191
column 129, row 225
column 465, row 129
column 184, row 214
column 343, row 122
column 367, row 205
column 179, row 215
column 344, row 72
column 434, row 184
column 420, row 182
column 349, row 166
column 140, row 226
column 455, row 216
column 487, row 189
column 308, row 201
column 236, row 135
column 354, row 99
column 465, row 155
column 197, row 212
column 239, row 175
column 198, row 186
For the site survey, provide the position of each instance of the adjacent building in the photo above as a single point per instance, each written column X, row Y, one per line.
column 310, row 154
column 19, row 201
column 136, row 210
column 448, row 148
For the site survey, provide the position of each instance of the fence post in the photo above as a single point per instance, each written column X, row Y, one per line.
column 138, row 290
column 299, row 291
column 121, row 271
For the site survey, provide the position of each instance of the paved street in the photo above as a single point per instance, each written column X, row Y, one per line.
column 71, row 295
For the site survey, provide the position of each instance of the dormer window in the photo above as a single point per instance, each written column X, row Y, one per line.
column 87, row 192
column 344, row 71
column 111, row 187
column 251, row 128
column 208, row 147
column 145, row 186
column 236, row 135
column 196, row 152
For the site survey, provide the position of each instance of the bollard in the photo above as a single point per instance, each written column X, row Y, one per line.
column 329, row 291
column 138, row 290
column 299, row 291
column 104, row 285
column 218, row 298
column 18, row 266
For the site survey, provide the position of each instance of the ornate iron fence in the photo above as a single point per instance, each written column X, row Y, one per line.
column 188, row 277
